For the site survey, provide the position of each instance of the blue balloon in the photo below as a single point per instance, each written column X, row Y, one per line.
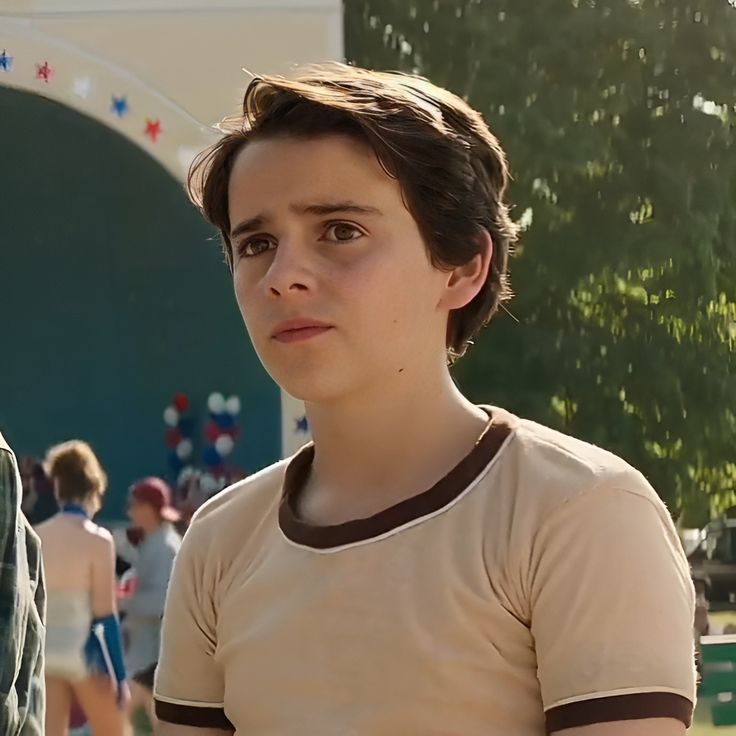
column 175, row 462
column 211, row 456
column 224, row 421
column 186, row 426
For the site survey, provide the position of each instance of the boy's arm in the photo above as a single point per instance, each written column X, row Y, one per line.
column 189, row 686
column 612, row 609
column 648, row 727
column 169, row 729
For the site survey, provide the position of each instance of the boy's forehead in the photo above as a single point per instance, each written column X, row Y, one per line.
column 285, row 150
column 294, row 170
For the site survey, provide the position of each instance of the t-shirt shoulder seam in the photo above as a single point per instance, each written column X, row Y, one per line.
column 271, row 475
column 609, row 470
column 588, row 494
column 617, row 465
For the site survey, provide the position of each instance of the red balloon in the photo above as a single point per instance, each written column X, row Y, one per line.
column 212, row 431
column 181, row 402
column 173, row 437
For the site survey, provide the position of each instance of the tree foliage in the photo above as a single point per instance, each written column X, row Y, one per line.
column 618, row 117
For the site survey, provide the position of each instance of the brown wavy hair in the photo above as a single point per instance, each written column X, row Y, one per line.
column 76, row 471
column 451, row 168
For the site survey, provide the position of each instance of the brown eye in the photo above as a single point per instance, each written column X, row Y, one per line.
column 255, row 246
column 343, row 232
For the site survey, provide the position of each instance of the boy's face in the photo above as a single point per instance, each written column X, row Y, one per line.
column 331, row 274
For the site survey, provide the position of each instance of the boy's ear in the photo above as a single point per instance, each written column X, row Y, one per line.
column 464, row 282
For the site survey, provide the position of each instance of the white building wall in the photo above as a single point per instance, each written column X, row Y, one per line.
column 177, row 63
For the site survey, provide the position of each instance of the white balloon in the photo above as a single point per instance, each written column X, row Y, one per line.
column 184, row 449
column 171, row 416
column 208, row 483
column 216, row 403
column 185, row 474
column 224, row 444
column 232, row 405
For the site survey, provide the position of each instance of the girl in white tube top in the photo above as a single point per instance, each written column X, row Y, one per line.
column 79, row 563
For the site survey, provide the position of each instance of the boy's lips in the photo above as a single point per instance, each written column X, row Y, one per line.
column 296, row 330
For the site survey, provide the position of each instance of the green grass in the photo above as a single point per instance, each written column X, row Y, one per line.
column 702, row 725
column 708, row 729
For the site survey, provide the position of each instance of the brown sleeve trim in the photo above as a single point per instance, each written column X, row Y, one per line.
column 619, row 708
column 190, row 715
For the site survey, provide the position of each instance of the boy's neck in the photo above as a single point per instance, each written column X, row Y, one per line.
column 391, row 445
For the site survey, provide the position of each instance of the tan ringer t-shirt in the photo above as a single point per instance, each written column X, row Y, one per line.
column 539, row 586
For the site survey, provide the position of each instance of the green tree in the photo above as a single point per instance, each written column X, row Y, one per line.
column 618, row 118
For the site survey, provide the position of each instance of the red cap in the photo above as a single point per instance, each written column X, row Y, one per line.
column 156, row 492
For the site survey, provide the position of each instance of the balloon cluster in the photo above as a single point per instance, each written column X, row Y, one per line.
column 221, row 431
column 220, row 434
column 179, row 433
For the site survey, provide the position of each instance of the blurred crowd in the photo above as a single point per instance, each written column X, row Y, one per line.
column 192, row 489
column 106, row 584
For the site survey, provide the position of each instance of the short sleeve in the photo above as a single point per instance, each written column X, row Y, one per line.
column 612, row 608
column 189, row 683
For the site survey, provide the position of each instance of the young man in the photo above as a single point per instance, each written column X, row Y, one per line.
column 151, row 512
column 22, row 611
column 426, row 566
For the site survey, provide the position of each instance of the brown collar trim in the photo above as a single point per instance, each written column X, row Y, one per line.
column 440, row 495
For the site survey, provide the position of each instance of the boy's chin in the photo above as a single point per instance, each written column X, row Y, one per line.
column 310, row 394
column 312, row 390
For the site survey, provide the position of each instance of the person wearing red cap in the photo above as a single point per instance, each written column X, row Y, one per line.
column 152, row 514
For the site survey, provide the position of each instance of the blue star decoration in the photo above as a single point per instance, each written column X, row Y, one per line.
column 302, row 425
column 6, row 62
column 119, row 106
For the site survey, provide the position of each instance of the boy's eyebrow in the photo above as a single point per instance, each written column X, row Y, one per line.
column 316, row 208
column 246, row 226
column 330, row 208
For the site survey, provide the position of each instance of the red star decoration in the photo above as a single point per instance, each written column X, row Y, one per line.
column 153, row 129
column 44, row 71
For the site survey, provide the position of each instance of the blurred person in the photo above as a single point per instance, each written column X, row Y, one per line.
column 22, row 610
column 29, row 495
column 127, row 540
column 703, row 624
column 188, row 499
column 84, row 655
column 152, row 514
column 39, row 502
column 45, row 505
column 426, row 564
